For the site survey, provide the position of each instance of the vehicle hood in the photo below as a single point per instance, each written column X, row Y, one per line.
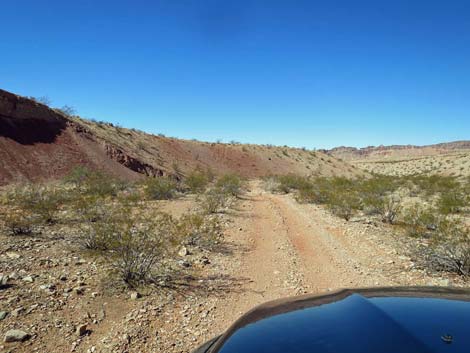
column 356, row 321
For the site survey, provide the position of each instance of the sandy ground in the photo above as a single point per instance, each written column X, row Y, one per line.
column 274, row 247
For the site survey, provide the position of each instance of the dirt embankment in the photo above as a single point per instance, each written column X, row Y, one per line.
column 40, row 143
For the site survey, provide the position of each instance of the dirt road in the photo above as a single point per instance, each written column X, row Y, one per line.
column 291, row 249
column 273, row 247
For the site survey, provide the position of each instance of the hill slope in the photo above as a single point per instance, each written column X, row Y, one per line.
column 451, row 158
column 37, row 143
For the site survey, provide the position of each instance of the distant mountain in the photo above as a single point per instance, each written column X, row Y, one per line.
column 41, row 143
column 396, row 151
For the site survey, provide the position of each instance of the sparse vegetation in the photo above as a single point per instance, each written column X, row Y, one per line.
column 213, row 200
column 436, row 216
column 160, row 188
column 197, row 181
column 230, row 184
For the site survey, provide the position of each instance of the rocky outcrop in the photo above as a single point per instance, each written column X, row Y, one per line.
column 132, row 163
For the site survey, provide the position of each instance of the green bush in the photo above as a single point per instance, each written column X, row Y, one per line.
column 38, row 200
column 95, row 183
column 19, row 222
column 213, row 200
column 160, row 188
column 389, row 208
column 134, row 244
column 420, row 220
column 434, row 184
column 343, row 204
column 291, row 182
column 197, row 181
column 230, row 184
column 199, row 230
column 451, row 247
column 451, row 201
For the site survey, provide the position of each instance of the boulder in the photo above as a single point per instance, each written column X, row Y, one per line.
column 16, row 336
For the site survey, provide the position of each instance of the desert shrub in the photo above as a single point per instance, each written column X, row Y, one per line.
column 389, row 208
column 291, row 182
column 38, row 200
column 199, row 230
column 134, row 244
column 318, row 191
column 197, row 181
column 420, row 220
column 344, row 204
column 451, row 201
column 451, row 247
column 160, row 188
column 94, row 183
column 19, row 222
column 213, row 200
column 433, row 184
column 89, row 208
column 230, row 184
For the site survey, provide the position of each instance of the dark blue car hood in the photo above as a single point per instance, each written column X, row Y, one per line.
column 405, row 320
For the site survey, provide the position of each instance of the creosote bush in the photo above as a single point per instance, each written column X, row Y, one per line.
column 19, row 222
column 420, row 220
column 451, row 247
column 197, row 181
column 160, row 188
column 134, row 243
column 230, row 184
column 213, row 200
column 40, row 201
column 198, row 230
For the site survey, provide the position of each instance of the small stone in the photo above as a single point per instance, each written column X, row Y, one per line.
column 16, row 336
column 183, row 251
column 81, row 330
column 17, row 311
column 79, row 290
column 184, row 263
column 135, row 295
column 13, row 255
column 29, row 279
column 3, row 315
column 4, row 281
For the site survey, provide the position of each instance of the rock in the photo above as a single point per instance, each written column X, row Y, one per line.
column 17, row 311
column 4, row 281
column 29, row 279
column 135, row 295
column 13, row 255
column 183, row 251
column 204, row 260
column 50, row 287
column 3, row 315
column 79, row 290
column 81, row 330
column 16, row 336
column 184, row 263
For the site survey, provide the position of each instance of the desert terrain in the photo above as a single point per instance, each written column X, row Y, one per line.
column 452, row 159
column 231, row 226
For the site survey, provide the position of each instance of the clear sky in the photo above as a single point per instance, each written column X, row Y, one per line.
column 302, row 73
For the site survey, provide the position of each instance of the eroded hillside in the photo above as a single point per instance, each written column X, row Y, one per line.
column 37, row 143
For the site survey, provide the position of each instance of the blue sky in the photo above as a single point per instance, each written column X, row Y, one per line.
column 304, row 73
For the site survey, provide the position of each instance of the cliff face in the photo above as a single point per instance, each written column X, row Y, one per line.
column 40, row 143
